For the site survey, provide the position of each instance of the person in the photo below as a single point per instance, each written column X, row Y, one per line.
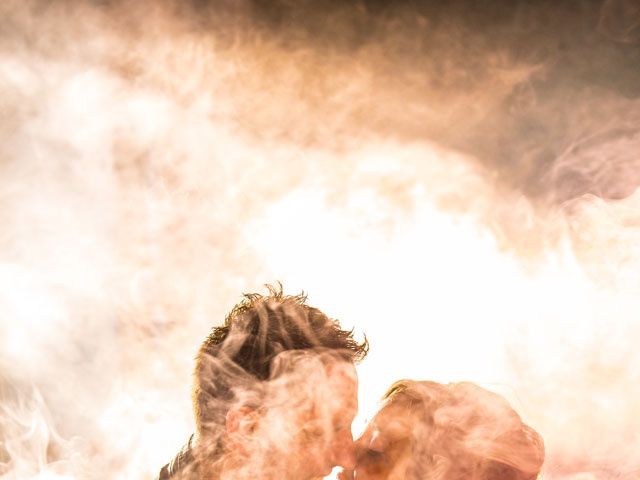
column 275, row 393
column 460, row 431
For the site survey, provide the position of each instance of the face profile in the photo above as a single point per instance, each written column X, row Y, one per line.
column 460, row 431
column 308, row 417
column 274, row 394
column 325, row 437
column 384, row 449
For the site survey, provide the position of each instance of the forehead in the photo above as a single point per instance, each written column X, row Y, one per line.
column 342, row 374
column 312, row 384
column 392, row 422
column 341, row 387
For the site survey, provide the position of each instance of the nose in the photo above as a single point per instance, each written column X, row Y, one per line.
column 343, row 453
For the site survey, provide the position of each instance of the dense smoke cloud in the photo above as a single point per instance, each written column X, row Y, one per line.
column 458, row 181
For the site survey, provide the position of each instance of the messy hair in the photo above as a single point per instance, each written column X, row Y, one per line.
column 238, row 355
column 466, row 432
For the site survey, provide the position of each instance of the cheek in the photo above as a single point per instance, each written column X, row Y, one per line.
column 402, row 463
column 311, row 444
column 371, row 472
column 393, row 467
column 400, row 470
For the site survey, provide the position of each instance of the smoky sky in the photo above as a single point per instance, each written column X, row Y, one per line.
column 570, row 70
column 582, row 54
column 586, row 51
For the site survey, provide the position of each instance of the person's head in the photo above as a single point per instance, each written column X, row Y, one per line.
column 460, row 431
column 278, row 366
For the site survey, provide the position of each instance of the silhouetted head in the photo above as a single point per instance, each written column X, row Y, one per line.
column 460, row 431
column 278, row 373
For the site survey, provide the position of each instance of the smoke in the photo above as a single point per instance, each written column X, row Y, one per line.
column 459, row 182
column 620, row 20
column 303, row 400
